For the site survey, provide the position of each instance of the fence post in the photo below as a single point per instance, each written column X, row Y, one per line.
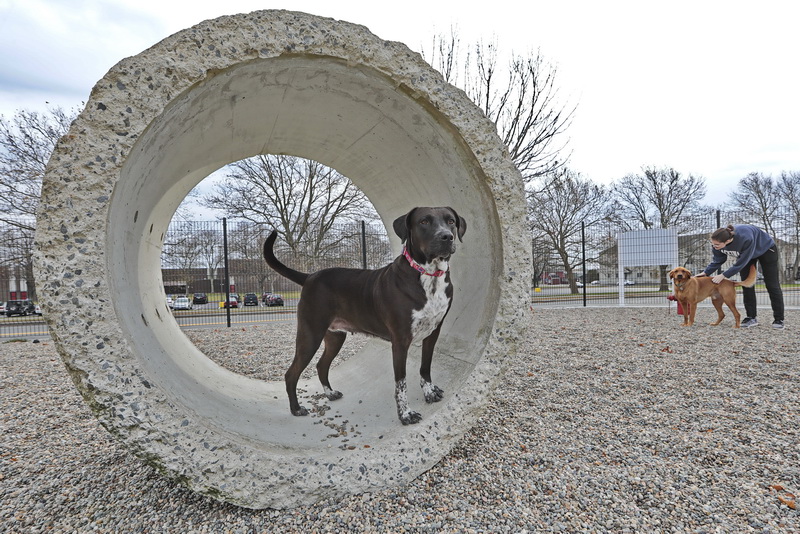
column 227, row 274
column 364, row 244
column 719, row 225
column 583, row 259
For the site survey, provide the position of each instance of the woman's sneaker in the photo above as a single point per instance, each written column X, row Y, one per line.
column 748, row 322
column 777, row 324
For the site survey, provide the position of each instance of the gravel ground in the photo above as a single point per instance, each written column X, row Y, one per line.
column 610, row 420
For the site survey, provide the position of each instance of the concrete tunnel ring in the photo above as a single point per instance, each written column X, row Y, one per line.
column 284, row 83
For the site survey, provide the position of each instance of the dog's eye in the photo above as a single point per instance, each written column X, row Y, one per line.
column 451, row 222
column 424, row 221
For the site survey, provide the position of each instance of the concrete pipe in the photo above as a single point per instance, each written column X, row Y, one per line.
column 272, row 82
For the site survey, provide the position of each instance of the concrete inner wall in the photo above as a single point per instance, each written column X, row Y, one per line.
column 401, row 152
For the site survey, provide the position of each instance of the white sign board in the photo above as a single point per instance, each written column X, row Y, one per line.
column 658, row 246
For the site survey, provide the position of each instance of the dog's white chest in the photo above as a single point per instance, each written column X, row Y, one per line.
column 426, row 320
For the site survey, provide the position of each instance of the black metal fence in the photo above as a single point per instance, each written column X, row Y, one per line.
column 584, row 271
column 19, row 311
column 587, row 271
column 195, row 266
column 196, row 282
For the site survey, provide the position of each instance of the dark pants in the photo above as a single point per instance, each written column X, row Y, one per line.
column 769, row 268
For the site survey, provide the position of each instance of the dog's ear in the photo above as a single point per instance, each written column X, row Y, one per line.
column 402, row 225
column 461, row 224
column 672, row 273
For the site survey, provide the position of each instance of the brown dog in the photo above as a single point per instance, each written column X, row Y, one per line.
column 689, row 291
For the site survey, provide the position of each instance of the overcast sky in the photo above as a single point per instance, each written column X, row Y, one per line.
column 707, row 87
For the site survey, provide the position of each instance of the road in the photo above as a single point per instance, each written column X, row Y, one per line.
column 201, row 316
column 641, row 295
column 212, row 316
column 208, row 315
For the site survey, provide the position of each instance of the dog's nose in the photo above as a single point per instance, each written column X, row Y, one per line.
column 446, row 236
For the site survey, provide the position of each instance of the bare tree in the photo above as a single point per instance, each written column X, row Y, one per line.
column 789, row 194
column 209, row 246
column 245, row 240
column 758, row 197
column 26, row 141
column 693, row 241
column 182, row 249
column 520, row 97
column 659, row 198
column 541, row 255
column 194, row 245
column 300, row 198
column 559, row 207
column 445, row 53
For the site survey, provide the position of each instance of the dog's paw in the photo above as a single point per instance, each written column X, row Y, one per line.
column 410, row 418
column 299, row 411
column 332, row 394
column 432, row 393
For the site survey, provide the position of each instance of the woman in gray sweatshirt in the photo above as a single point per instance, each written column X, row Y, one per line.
column 746, row 245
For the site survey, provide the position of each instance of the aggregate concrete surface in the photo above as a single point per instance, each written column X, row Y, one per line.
column 277, row 82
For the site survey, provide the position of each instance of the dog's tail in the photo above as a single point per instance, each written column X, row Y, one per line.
column 295, row 276
column 750, row 280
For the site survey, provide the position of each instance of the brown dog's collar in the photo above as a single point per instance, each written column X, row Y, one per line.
column 417, row 267
column 680, row 286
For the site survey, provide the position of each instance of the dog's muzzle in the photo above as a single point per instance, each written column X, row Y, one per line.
column 443, row 245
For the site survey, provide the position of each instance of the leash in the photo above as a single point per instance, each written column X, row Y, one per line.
column 417, row 267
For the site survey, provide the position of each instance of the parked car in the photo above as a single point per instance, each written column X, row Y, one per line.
column 250, row 299
column 19, row 307
column 199, row 298
column 182, row 303
column 38, row 310
column 630, row 283
column 232, row 303
column 2, row 307
column 272, row 299
column 170, row 302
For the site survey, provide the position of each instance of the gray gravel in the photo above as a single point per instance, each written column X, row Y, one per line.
column 610, row 420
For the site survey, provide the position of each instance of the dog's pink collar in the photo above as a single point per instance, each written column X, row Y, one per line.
column 417, row 267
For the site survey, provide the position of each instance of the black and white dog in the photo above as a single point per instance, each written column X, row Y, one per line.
column 405, row 301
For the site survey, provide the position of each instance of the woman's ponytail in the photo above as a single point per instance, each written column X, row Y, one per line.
column 721, row 235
